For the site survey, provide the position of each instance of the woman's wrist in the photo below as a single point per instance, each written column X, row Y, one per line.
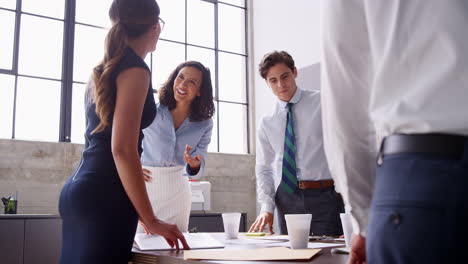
column 149, row 220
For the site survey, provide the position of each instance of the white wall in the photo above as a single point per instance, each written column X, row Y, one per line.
column 293, row 26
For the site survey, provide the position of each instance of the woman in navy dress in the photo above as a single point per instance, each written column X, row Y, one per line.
column 100, row 204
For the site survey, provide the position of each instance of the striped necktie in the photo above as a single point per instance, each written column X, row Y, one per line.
column 289, row 177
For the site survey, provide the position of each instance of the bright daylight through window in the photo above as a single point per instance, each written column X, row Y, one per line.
column 49, row 47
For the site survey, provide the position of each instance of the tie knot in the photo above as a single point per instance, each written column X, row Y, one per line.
column 290, row 105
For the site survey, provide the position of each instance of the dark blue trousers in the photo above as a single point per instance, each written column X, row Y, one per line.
column 419, row 211
column 325, row 205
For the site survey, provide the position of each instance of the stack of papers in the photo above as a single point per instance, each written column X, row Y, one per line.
column 283, row 241
column 311, row 244
column 195, row 241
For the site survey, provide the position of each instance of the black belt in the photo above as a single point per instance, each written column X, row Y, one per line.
column 451, row 146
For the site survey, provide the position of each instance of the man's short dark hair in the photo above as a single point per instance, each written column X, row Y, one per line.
column 273, row 58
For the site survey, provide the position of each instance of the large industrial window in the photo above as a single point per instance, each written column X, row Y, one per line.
column 49, row 47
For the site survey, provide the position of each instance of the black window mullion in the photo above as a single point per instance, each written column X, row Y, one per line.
column 233, row 5
column 217, row 70
column 42, row 16
column 14, row 67
column 38, row 77
column 246, row 50
column 89, row 25
column 14, row 108
column 186, row 29
column 67, row 71
column 6, row 71
column 7, row 9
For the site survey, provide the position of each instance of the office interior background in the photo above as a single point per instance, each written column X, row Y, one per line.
column 48, row 49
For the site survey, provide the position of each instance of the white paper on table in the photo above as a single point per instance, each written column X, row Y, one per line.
column 268, row 237
column 323, row 245
column 311, row 245
column 194, row 240
column 249, row 241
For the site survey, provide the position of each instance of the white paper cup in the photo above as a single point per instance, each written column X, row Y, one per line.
column 231, row 223
column 347, row 228
column 298, row 229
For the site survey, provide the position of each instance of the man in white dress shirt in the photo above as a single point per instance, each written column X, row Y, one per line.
column 291, row 168
column 395, row 114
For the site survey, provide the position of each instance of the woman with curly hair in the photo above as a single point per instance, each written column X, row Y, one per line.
column 176, row 143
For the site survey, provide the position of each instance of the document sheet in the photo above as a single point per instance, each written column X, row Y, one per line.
column 195, row 241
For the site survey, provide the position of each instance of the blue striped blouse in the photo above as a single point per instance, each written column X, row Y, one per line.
column 164, row 146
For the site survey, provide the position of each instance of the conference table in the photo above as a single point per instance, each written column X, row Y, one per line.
column 325, row 256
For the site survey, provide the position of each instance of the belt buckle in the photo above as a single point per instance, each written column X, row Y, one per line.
column 301, row 186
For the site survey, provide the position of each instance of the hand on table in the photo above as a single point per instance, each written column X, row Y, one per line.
column 262, row 220
column 169, row 231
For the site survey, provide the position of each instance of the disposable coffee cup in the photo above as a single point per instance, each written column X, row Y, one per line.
column 347, row 228
column 231, row 223
column 298, row 229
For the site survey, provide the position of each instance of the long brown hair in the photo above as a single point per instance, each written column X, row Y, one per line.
column 202, row 106
column 130, row 20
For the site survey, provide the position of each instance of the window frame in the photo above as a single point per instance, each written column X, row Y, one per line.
column 68, row 51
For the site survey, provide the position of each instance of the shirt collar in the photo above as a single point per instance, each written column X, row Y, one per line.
column 296, row 97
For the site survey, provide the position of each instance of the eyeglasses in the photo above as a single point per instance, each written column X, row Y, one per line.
column 161, row 23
